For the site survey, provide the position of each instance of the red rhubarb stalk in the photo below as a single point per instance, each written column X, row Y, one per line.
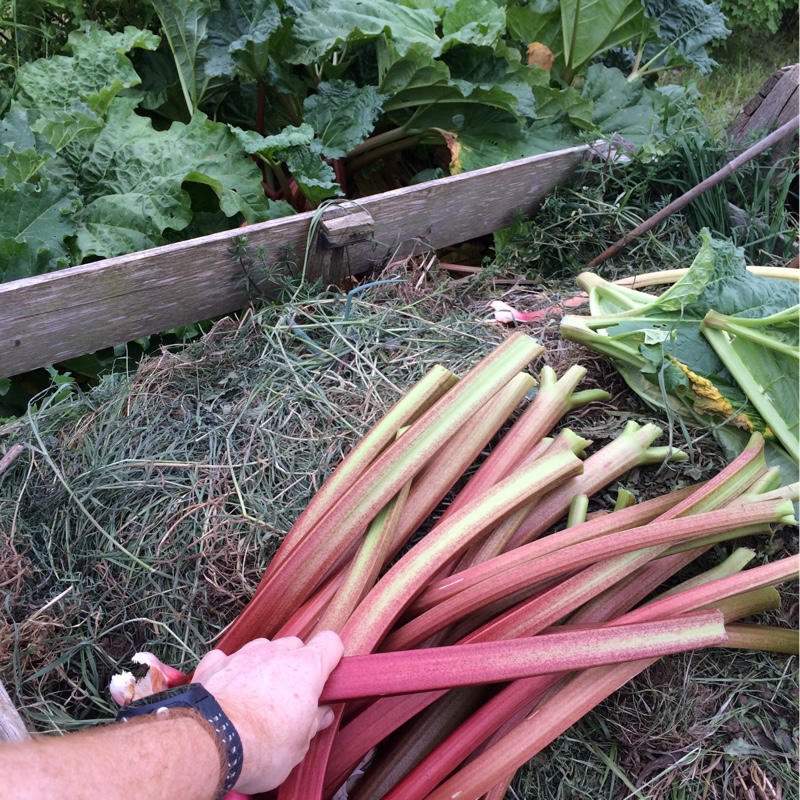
column 301, row 571
column 516, row 570
column 491, row 662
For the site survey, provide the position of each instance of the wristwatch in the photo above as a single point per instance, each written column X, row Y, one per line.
column 194, row 695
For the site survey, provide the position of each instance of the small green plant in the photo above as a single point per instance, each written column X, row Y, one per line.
column 763, row 16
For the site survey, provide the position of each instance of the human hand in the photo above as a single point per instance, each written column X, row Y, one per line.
column 270, row 692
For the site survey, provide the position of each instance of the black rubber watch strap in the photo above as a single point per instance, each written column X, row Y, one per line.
column 195, row 696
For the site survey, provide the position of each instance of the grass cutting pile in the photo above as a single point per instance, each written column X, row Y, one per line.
column 144, row 513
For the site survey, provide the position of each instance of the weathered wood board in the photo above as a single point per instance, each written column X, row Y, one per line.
column 79, row 310
column 774, row 104
column 12, row 728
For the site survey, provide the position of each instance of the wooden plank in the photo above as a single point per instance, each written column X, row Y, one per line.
column 12, row 728
column 75, row 311
column 775, row 102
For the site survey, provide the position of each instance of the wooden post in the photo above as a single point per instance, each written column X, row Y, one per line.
column 341, row 226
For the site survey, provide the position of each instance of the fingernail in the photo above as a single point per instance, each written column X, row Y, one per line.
column 327, row 719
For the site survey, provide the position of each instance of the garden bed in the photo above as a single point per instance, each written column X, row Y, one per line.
column 142, row 514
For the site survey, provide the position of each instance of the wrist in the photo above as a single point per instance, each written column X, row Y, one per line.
column 194, row 701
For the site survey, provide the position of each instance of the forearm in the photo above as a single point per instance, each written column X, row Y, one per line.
column 142, row 759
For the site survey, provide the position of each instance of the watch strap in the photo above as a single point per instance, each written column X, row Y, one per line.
column 195, row 696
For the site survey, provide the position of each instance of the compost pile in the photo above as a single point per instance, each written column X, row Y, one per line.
column 143, row 514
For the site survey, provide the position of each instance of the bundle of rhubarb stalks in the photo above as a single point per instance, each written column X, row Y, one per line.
column 518, row 611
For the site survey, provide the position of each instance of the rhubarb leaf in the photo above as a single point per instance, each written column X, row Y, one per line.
column 660, row 349
column 133, row 180
column 619, row 106
column 314, row 176
column 416, row 69
column 342, row 114
column 240, row 33
column 36, row 224
column 764, row 356
column 186, row 27
column 685, row 29
column 477, row 22
column 97, row 72
column 321, row 28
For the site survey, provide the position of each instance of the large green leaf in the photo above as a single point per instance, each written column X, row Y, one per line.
column 619, row 106
column 536, row 21
column 298, row 148
column 323, row 27
column 483, row 76
column 343, row 115
column 479, row 149
column 186, row 26
column 240, row 32
column 417, row 69
column 97, row 71
column 35, row 224
column 660, row 349
column 314, row 176
column 22, row 151
column 589, row 27
column 764, row 356
column 133, row 180
column 478, row 22
column 271, row 146
column 685, row 29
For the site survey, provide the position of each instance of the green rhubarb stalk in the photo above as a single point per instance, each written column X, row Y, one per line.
column 674, row 275
column 418, row 399
column 303, row 569
column 724, row 488
column 516, row 570
column 362, row 572
column 753, row 359
column 634, row 517
column 491, row 662
column 765, row 575
column 383, row 605
column 630, row 449
column 532, row 615
column 733, row 564
column 448, row 466
column 555, row 398
column 747, row 604
column 577, row 510
column 624, row 500
column 762, row 637
column 494, row 543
